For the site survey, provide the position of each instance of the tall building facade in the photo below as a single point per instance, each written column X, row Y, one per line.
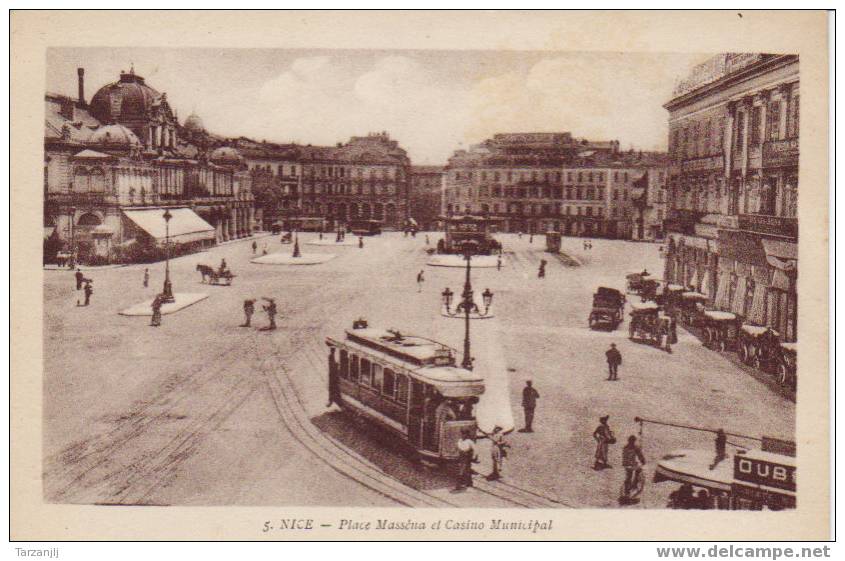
column 733, row 186
column 367, row 178
column 425, row 196
column 537, row 182
column 113, row 166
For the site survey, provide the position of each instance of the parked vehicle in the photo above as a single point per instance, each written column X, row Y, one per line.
column 690, row 306
column 719, row 329
column 649, row 325
column 608, row 308
column 787, row 368
column 759, row 346
column 365, row 227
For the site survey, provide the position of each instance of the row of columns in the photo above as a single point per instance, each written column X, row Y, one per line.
column 239, row 222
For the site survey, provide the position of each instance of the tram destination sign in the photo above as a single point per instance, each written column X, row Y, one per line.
column 764, row 472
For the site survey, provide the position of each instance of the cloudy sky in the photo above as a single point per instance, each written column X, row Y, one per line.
column 432, row 102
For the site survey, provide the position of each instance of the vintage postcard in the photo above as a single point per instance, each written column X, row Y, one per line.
column 419, row 275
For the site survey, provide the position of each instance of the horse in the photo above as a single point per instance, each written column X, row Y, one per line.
column 206, row 271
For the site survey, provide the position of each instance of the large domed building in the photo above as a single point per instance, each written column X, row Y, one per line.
column 113, row 165
column 141, row 108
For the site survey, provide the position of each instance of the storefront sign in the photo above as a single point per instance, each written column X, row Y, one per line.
column 764, row 472
column 765, row 224
column 780, row 153
column 703, row 164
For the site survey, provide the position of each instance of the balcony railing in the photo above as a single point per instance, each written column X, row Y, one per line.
column 781, row 152
column 81, row 199
column 772, row 225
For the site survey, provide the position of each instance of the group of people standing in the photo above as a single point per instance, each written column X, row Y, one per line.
column 84, row 284
column 269, row 308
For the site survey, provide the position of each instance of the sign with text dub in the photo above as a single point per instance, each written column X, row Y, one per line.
column 764, row 472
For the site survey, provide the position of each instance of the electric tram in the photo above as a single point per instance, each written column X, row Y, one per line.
column 407, row 384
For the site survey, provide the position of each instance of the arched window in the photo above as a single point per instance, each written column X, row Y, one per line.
column 89, row 219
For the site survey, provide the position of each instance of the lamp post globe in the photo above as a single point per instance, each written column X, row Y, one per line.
column 167, row 290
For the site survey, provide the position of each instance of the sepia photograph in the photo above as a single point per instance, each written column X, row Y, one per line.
column 422, row 278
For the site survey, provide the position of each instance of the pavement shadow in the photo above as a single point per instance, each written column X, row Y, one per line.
column 383, row 449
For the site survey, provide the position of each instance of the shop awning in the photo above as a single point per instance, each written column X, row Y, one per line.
column 185, row 225
column 780, row 254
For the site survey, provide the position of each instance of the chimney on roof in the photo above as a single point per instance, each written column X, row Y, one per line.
column 80, row 72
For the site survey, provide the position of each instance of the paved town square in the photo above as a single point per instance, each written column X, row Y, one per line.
column 198, row 411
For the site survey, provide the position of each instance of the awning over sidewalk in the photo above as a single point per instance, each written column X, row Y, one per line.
column 185, row 225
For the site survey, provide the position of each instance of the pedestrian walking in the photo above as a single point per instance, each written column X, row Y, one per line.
column 499, row 262
column 541, row 272
column 466, row 457
column 79, row 278
column 420, row 280
column 721, row 442
column 157, row 302
column 264, row 249
column 360, row 242
column 321, row 234
column 614, row 359
column 146, row 278
column 585, row 245
column 89, row 290
column 529, row 402
column 497, row 452
column 531, row 238
column 254, row 247
column 604, row 438
column 270, row 308
column 519, row 234
column 249, row 309
column 222, row 265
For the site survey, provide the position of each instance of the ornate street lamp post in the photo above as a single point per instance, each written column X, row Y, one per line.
column 467, row 305
column 167, row 291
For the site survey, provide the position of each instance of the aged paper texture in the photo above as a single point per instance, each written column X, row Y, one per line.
column 419, row 275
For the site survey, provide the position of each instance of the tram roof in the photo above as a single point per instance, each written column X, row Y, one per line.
column 417, row 349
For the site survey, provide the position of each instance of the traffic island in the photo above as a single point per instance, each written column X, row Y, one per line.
column 181, row 301
column 289, row 259
column 478, row 261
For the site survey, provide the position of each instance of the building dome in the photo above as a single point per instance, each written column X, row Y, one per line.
column 226, row 156
column 115, row 135
column 193, row 123
column 127, row 99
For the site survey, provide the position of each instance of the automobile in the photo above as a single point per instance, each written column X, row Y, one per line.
column 787, row 368
column 608, row 308
column 690, row 306
column 759, row 346
column 649, row 325
column 719, row 329
column 365, row 227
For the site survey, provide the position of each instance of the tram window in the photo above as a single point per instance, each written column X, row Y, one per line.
column 388, row 387
column 344, row 364
column 378, row 377
column 353, row 367
column 401, row 388
column 365, row 372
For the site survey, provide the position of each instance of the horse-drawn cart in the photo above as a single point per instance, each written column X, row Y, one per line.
column 759, row 346
column 221, row 277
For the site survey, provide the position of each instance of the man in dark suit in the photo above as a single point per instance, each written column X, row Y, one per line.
column 79, row 278
column 529, row 403
column 614, row 359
